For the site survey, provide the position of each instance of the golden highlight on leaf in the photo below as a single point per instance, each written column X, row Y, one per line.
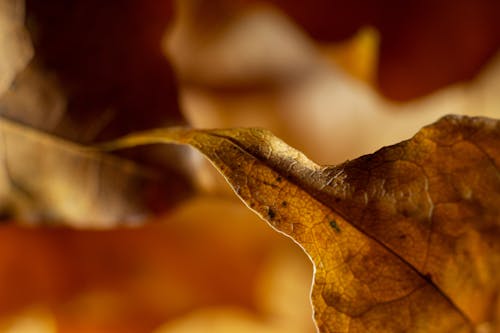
column 403, row 240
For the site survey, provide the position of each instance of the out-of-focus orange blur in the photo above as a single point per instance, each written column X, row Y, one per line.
column 210, row 253
column 335, row 79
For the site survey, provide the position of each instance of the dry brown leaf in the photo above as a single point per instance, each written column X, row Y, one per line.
column 49, row 180
column 71, row 95
column 405, row 239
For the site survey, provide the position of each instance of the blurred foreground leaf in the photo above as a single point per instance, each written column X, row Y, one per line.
column 50, row 84
column 405, row 239
column 43, row 178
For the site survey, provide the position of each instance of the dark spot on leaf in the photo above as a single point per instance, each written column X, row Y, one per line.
column 279, row 179
column 334, row 225
column 271, row 213
column 270, row 184
column 284, row 203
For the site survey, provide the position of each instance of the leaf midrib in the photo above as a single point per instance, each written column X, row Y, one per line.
column 312, row 192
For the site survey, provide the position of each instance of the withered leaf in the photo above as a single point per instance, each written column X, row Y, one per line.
column 43, row 178
column 403, row 240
